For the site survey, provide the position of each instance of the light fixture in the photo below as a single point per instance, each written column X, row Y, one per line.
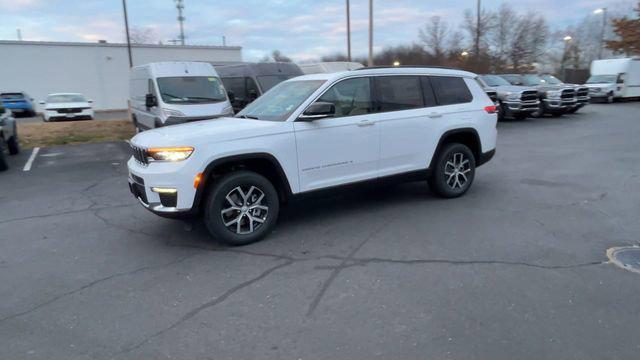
column 567, row 38
column 396, row 63
column 464, row 53
column 598, row 11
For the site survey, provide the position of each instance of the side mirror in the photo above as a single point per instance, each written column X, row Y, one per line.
column 620, row 79
column 150, row 101
column 90, row 101
column 231, row 96
column 253, row 95
column 41, row 103
column 318, row 110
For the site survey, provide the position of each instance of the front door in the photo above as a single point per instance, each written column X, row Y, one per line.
column 344, row 148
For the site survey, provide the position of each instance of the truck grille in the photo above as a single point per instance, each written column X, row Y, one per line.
column 583, row 91
column 529, row 96
column 139, row 154
column 70, row 110
column 568, row 94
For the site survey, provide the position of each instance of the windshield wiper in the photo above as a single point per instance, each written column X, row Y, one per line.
column 203, row 98
column 248, row 117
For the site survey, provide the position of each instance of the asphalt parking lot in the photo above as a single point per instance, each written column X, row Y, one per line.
column 101, row 115
column 516, row 269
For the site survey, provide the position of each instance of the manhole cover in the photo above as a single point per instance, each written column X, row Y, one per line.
column 626, row 257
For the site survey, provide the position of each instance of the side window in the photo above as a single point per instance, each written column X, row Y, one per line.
column 351, row 97
column 427, row 92
column 236, row 85
column 252, row 87
column 399, row 92
column 450, row 90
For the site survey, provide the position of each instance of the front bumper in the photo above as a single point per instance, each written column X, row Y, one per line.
column 55, row 114
column 556, row 105
column 144, row 178
column 520, row 107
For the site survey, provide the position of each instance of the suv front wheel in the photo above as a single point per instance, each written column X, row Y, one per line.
column 454, row 171
column 242, row 208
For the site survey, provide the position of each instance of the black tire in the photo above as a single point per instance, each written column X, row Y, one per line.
column 3, row 158
column 440, row 179
column 538, row 113
column 521, row 116
column 502, row 113
column 573, row 110
column 217, row 201
column 609, row 99
column 13, row 145
column 557, row 114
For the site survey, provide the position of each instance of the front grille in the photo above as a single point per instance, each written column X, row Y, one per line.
column 568, row 94
column 139, row 154
column 583, row 91
column 492, row 95
column 70, row 110
column 529, row 96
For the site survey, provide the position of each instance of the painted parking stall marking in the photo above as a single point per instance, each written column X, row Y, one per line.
column 34, row 153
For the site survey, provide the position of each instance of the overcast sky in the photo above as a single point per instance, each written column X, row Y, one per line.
column 301, row 29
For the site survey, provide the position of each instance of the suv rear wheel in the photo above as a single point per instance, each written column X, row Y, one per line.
column 242, row 208
column 454, row 171
column 3, row 160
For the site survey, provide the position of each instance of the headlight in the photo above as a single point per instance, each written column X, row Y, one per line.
column 553, row 94
column 170, row 153
column 513, row 96
column 169, row 113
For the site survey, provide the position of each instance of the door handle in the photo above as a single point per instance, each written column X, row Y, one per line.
column 366, row 123
column 434, row 115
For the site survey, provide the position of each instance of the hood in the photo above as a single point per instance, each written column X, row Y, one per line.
column 600, row 85
column 513, row 88
column 209, row 131
column 66, row 105
column 198, row 110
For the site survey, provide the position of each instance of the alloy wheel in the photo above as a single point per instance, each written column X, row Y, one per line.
column 244, row 210
column 455, row 171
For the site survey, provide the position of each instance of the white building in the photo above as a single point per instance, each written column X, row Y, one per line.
column 100, row 71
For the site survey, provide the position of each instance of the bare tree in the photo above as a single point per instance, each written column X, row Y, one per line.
column 143, row 35
column 433, row 36
column 478, row 28
column 502, row 34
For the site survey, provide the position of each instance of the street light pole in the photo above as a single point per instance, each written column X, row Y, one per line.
column 126, row 27
column 370, row 63
column 348, row 31
column 602, row 31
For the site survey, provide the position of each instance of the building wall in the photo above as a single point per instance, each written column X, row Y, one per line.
column 99, row 71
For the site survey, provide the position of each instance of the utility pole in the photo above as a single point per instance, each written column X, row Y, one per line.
column 370, row 63
column 126, row 27
column 477, row 40
column 602, row 11
column 19, row 34
column 181, row 19
column 224, row 40
column 348, row 31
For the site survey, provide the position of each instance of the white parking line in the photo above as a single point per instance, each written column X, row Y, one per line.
column 27, row 166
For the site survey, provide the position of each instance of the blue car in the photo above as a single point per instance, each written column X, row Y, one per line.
column 19, row 103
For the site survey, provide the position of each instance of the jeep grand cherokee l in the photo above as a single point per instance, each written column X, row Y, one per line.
column 316, row 132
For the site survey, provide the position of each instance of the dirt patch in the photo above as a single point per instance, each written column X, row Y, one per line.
column 74, row 132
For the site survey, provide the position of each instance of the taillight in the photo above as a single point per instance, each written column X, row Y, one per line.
column 492, row 109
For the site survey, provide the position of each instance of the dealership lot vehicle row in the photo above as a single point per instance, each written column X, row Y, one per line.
column 521, row 256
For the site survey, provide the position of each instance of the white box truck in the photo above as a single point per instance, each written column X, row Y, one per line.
column 169, row 93
column 614, row 79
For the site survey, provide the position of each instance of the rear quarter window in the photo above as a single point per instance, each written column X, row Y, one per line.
column 450, row 90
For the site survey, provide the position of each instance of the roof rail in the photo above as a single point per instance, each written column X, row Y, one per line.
column 408, row 67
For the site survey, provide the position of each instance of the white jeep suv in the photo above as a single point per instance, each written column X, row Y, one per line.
column 315, row 132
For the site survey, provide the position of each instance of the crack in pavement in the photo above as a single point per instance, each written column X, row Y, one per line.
column 93, row 283
column 213, row 302
column 65, row 213
column 365, row 261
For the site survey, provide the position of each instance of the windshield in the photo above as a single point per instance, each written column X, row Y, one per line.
column 269, row 81
column 66, row 98
column 550, row 79
column 493, row 80
column 191, row 90
column 278, row 103
column 602, row 79
column 12, row 96
column 532, row 80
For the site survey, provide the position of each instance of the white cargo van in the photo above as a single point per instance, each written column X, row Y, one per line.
column 614, row 79
column 169, row 93
column 329, row 67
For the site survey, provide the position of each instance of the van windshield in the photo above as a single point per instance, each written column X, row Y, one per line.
column 494, row 80
column 278, row 103
column 269, row 81
column 602, row 79
column 191, row 90
column 65, row 98
column 550, row 79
